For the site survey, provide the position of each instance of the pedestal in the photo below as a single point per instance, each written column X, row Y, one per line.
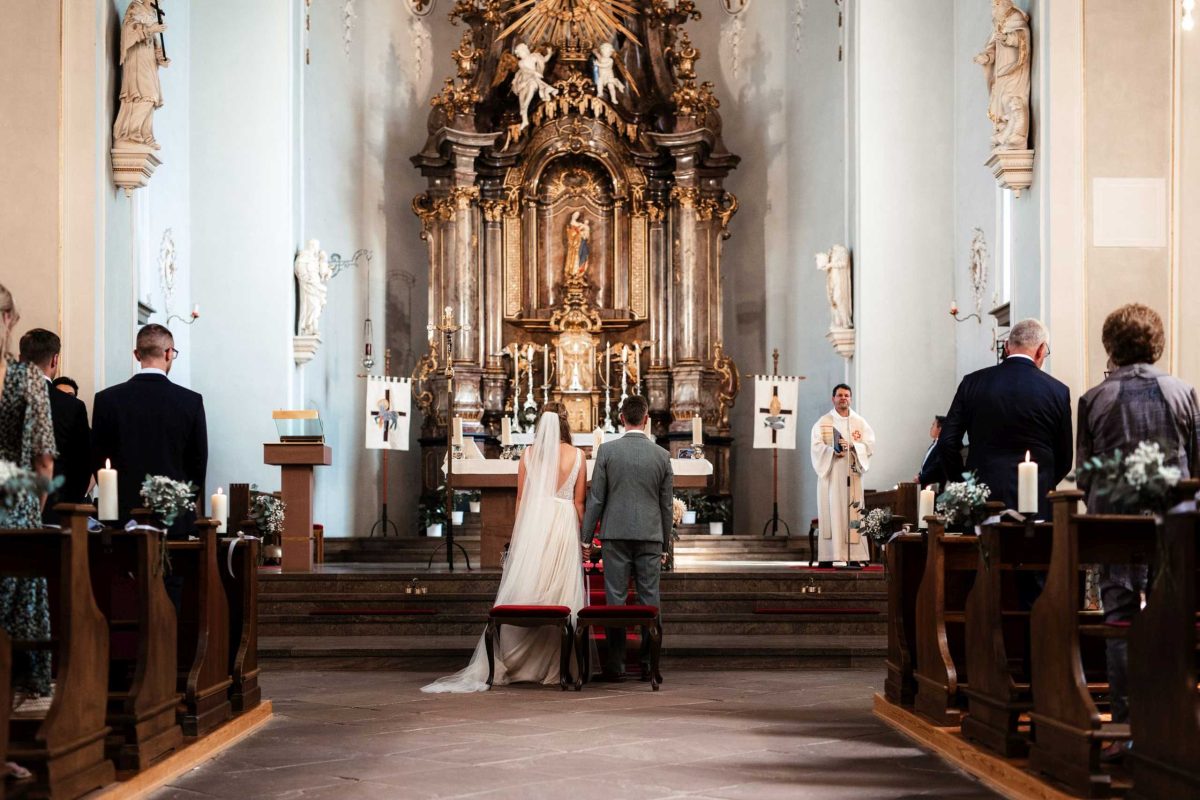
column 296, row 462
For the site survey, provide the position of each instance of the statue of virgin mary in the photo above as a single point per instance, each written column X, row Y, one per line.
column 575, row 262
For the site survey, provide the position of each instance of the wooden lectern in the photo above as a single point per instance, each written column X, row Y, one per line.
column 296, row 461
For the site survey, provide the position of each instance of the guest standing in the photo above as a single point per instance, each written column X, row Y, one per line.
column 66, row 385
column 1006, row 411
column 1136, row 402
column 150, row 426
column 42, row 348
column 932, row 472
column 27, row 440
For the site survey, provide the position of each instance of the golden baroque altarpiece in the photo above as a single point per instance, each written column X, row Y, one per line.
column 574, row 219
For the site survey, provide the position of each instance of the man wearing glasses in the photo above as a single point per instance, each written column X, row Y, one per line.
column 151, row 426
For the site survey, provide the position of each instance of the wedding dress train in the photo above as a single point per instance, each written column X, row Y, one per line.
column 544, row 567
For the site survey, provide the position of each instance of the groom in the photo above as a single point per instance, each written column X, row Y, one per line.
column 631, row 498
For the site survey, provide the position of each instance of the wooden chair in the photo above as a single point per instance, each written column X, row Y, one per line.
column 997, row 634
column 905, row 556
column 1068, row 732
column 645, row 617
column 530, row 617
column 241, row 590
column 203, row 632
column 127, row 581
column 1164, row 707
column 64, row 748
column 940, row 669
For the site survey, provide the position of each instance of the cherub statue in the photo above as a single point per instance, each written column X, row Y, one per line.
column 530, row 66
column 312, row 273
column 836, row 266
column 603, row 73
column 140, row 56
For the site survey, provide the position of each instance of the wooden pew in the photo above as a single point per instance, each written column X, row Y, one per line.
column 997, row 634
column 1164, row 707
column 5, row 697
column 127, row 581
column 902, row 500
column 905, row 556
column 241, row 589
column 65, row 748
column 1068, row 731
column 940, row 669
column 203, row 632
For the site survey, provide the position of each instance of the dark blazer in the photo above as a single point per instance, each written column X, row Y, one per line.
column 932, row 470
column 149, row 426
column 1005, row 411
column 73, row 440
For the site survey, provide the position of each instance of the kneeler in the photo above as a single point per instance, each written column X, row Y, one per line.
column 645, row 617
column 530, row 617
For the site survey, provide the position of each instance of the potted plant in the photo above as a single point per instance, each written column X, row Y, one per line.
column 431, row 514
column 268, row 513
column 473, row 501
column 689, row 513
column 716, row 511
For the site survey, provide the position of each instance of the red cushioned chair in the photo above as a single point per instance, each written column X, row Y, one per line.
column 530, row 617
column 645, row 617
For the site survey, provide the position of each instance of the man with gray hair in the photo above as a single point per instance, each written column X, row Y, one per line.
column 1007, row 411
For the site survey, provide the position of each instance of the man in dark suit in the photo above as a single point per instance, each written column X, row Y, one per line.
column 42, row 348
column 1006, row 411
column 932, row 472
column 150, row 426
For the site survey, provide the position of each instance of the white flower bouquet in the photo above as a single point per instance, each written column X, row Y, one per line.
column 876, row 525
column 168, row 498
column 678, row 507
column 1137, row 483
column 17, row 483
column 963, row 504
column 267, row 511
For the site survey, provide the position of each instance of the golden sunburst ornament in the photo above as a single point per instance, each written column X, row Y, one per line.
column 571, row 23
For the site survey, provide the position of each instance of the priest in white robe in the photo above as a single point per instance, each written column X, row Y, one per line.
column 842, row 446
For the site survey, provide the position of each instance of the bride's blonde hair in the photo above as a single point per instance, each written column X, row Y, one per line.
column 564, row 425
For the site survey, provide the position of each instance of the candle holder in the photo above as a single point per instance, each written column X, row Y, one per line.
column 456, row 452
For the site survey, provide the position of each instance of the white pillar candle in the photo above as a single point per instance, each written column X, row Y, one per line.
column 697, row 430
column 106, row 492
column 505, row 432
column 220, row 509
column 1027, row 486
column 925, row 507
column 597, row 440
column 457, row 441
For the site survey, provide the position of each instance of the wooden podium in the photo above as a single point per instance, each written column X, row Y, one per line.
column 296, row 461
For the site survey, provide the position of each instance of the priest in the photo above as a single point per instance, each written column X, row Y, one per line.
column 842, row 446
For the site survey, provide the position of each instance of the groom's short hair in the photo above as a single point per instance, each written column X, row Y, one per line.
column 634, row 411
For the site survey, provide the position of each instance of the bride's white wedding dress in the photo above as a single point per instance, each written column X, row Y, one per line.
column 544, row 567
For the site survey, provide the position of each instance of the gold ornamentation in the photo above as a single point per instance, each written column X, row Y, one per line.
column 690, row 100
column 427, row 366
column 572, row 24
column 725, row 210
column 443, row 208
column 685, row 196
column 576, row 94
column 574, row 182
column 662, row 11
column 490, row 13
column 731, row 383
column 512, row 265
column 637, row 266
column 454, row 99
column 684, row 57
column 493, row 210
column 466, row 56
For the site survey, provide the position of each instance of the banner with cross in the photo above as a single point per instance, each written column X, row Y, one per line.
column 389, row 407
column 775, row 399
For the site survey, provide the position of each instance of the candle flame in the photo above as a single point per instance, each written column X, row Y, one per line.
column 1026, row 456
column 107, row 464
column 220, row 490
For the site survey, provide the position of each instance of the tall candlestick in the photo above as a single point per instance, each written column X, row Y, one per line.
column 697, row 430
column 607, row 365
column 597, row 440
column 106, row 492
column 220, row 509
column 457, row 441
column 925, row 507
column 1027, row 486
column 545, row 373
column 505, row 433
column 637, row 365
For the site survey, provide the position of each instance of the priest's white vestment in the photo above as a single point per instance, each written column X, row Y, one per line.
column 840, row 483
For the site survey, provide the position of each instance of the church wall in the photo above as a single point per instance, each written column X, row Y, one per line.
column 904, row 106
column 243, row 199
column 1187, row 292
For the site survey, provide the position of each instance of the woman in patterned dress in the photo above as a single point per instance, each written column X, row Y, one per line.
column 27, row 440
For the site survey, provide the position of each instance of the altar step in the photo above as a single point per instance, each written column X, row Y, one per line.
column 449, row 653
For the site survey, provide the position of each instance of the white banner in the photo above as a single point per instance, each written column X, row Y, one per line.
column 389, row 407
column 775, row 411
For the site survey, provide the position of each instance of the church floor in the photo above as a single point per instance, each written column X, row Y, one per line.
column 758, row 735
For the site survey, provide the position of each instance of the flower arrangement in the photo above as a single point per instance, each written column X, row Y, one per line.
column 268, row 513
column 168, row 498
column 1137, row 483
column 963, row 503
column 17, row 483
column 876, row 525
column 678, row 507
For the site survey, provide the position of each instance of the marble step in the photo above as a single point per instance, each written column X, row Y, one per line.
column 340, row 652
column 462, row 624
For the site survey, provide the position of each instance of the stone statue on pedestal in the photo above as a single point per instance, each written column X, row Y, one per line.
column 530, row 66
column 140, row 56
column 603, row 73
column 312, row 275
column 1006, row 63
column 838, row 288
column 578, row 232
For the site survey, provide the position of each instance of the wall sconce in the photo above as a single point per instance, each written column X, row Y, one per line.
column 191, row 318
column 957, row 318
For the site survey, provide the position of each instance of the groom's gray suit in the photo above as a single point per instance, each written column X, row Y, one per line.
column 631, row 498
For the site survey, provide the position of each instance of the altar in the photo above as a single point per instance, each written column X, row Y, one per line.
column 496, row 481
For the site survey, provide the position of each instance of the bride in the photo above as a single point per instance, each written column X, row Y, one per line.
column 544, row 564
